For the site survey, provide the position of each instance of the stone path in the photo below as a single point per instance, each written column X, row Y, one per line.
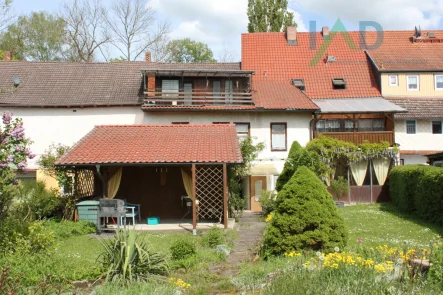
column 250, row 230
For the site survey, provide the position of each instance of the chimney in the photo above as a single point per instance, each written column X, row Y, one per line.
column 291, row 35
column 148, row 56
column 7, row 55
column 325, row 33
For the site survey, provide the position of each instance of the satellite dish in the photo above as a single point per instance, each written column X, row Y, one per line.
column 16, row 80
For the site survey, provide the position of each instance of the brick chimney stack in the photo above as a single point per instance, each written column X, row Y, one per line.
column 291, row 35
column 325, row 33
column 7, row 55
column 148, row 56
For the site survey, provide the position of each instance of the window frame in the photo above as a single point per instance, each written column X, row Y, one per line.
column 180, row 123
column 243, row 123
column 220, row 123
column 396, row 80
column 418, row 83
column 432, row 127
column 415, row 127
column 435, row 81
column 285, row 133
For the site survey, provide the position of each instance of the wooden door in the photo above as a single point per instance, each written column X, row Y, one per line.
column 258, row 184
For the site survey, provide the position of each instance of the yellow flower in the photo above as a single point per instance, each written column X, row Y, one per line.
column 269, row 217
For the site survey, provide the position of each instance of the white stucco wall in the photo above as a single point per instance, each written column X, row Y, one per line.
column 46, row 126
column 423, row 140
column 297, row 128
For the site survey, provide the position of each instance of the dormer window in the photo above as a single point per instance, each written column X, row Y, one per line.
column 339, row 83
column 299, row 83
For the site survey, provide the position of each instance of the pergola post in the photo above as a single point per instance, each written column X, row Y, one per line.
column 225, row 196
column 194, row 201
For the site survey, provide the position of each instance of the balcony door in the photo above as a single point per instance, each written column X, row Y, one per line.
column 258, row 184
column 187, row 88
column 228, row 91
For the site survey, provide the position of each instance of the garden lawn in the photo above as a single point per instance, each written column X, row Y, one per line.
column 369, row 226
column 383, row 224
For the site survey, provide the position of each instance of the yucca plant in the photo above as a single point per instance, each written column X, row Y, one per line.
column 126, row 258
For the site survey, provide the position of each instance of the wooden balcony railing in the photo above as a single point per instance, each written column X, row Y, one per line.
column 360, row 137
column 198, row 98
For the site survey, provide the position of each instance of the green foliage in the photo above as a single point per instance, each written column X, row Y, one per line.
column 267, row 201
column 10, row 230
column 334, row 152
column 36, row 202
column 126, row 258
column 213, row 237
column 65, row 229
column 269, row 16
column 182, row 249
column 40, row 239
column 297, row 157
column 340, row 187
column 436, row 271
column 417, row 189
column 40, row 36
column 237, row 173
column 187, row 51
column 305, row 218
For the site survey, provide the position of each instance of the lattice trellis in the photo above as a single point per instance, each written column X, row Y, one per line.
column 209, row 191
column 84, row 183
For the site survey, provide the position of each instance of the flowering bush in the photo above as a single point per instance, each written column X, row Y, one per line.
column 179, row 283
column 14, row 153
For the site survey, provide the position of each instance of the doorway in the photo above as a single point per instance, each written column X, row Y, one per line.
column 258, row 184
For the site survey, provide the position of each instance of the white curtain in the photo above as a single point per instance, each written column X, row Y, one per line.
column 114, row 183
column 381, row 168
column 358, row 170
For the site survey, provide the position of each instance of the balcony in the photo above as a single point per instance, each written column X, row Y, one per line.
column 198, row 97
column 360, row 137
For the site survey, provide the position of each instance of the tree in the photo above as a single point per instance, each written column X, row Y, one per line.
column 86, row 26
column 306, row 217
column 40, row 37
column 187, row 50
column 269, row 16
column 297, row 157
column 131, row 22
column 227, row 55
column 14, row 153
column 6, row 17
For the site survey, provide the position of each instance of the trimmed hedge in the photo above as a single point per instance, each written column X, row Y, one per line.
column 418, row 189
column 305, row 217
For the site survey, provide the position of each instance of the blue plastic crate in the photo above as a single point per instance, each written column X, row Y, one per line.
column 153, row 220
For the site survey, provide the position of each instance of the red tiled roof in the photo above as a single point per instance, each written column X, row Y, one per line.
column 398, row 53
column 418, row 152
column 419, row 107
column 145, row 144
column 275, row 60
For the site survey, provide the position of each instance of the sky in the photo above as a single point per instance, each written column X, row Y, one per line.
column 220, row 23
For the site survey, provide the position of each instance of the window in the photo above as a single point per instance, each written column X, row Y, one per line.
column 180, row 123
column 242, row 130
column 299, row 83
column 170, row 86
column 438, row 82
column 378, row 125
column 328, row 126
column 220, row 123
column 413, row 83
column 228, row 90
column 410, row 127
column 278, row 136
column 436, row 127
column 339, row 83
column 187, row 88
column 349, row 126
column 402, row 162
column 393, row 80
column 216, row 88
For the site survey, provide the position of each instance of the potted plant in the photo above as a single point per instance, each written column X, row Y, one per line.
column 340, row 188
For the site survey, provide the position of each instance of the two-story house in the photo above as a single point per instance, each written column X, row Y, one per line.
column 409, row 66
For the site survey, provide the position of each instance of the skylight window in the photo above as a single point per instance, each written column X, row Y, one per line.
column 339, row 83
column 299, row 83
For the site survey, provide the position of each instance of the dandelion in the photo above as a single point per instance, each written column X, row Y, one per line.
column 400, row 261
column 322, row 258
column 336, row 249
column 318, row 253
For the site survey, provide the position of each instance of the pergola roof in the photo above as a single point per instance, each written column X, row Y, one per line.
column 357, row 105
column 154, row 144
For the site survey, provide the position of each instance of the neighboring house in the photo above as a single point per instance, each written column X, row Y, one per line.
column 61, row 102
column 409, row 65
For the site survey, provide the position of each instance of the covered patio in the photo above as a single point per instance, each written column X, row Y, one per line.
column 175, row 172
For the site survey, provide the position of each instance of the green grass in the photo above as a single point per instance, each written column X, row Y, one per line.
column 383, row 224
